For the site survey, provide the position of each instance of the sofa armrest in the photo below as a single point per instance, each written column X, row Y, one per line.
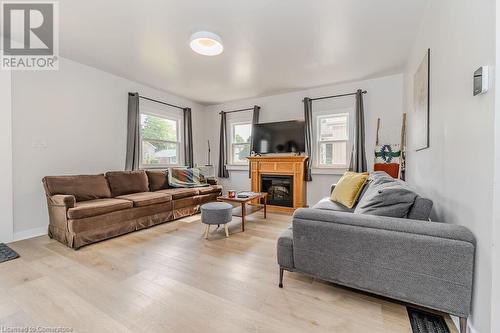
column 59, row 200
column 58, row 206
column 424, row 263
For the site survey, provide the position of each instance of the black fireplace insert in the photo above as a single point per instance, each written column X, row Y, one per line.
column 279, row 189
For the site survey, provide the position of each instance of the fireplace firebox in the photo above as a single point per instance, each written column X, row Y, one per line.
column 279, row 189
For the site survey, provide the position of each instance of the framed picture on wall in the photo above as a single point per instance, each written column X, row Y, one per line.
column 421, row 100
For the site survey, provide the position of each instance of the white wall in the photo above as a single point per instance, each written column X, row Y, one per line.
column 6, row 221
column 495, row 292
column 384, row 99
column 70, row 121
column 457, row 170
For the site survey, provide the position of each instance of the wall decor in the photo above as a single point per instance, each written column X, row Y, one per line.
column 421, row 100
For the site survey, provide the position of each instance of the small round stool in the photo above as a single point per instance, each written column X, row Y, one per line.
column 216, row 213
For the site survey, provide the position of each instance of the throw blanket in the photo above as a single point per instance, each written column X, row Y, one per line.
column 387, row 158
column 186, row 177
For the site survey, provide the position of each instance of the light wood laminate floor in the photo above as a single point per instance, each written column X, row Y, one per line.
column 170, row 279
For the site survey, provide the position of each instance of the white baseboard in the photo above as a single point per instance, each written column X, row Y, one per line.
column 456, row 321
column 30, row 233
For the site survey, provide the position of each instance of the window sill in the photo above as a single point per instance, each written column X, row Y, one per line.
column 237, row 167
column 147, row 167
column 328, row 171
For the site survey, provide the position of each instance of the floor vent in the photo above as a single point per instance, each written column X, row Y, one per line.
column 425, row 322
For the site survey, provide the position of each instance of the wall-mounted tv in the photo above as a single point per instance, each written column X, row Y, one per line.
column 279, row 137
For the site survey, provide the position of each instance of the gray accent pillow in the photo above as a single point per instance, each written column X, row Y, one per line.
column 384, row 198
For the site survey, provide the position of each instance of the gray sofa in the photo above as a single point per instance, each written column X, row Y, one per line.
column 406, row 258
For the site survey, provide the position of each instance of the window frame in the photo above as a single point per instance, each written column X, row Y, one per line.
column 178, row 118
column 317, row 142
column 232, row 124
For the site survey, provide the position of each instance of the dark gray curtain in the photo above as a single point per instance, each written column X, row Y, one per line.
column 255, row 120
column 188, row 138
column 308, row 136
column 222, row 170
column 132, row 158
column 358, row 155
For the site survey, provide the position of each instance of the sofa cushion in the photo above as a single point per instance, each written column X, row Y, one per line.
column 158, row 179
column 146, row 198
column 210, row 189
column 393, row 199
column 421, row 209
column 328, row 204
column 126, row 182
column 179, row 193
column 349, row 187
column 380, row 177
column 83, row 187
column 97, row 207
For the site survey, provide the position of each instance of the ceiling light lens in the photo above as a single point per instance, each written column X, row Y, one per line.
column 206, row 43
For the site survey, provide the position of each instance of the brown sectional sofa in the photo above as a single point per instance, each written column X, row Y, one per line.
column 89, row 208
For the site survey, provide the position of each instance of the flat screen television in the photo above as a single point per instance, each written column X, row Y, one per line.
column 279, row 137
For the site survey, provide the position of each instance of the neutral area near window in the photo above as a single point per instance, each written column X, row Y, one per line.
column 160, row 139
column 241, row 136
column 332, row 133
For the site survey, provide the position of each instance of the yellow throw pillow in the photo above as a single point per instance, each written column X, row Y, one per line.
column 349, row 188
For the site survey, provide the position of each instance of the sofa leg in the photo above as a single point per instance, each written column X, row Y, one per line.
column 463, row 324
column 281, row 277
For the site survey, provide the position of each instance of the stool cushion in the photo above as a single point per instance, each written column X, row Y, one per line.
column 216, row 213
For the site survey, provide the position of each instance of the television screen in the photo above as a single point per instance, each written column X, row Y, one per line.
column 280, row 137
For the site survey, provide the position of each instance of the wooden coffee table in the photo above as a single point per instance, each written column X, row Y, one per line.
column 246, row 208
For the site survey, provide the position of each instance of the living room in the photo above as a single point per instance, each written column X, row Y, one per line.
column 238, row 91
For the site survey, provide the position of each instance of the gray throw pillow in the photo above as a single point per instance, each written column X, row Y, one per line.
column 380, row 177
column 393, row 199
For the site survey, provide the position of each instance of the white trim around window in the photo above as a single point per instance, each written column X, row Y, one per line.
column 233, row 120
column 331, row 147
column 174, row 155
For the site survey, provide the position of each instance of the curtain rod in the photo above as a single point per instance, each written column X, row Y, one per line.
column 334, row 96
column 164, row 103
column 236, row 110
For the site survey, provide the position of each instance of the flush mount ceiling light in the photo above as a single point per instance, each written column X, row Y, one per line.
column 206, row 43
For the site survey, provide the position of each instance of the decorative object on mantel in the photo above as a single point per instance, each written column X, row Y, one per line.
column 421, row 101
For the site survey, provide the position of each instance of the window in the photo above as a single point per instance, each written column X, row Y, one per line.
column 160, row 140
column 241, row 135
column 332, row 132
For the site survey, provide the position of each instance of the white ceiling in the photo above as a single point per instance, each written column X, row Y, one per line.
column 271, row 46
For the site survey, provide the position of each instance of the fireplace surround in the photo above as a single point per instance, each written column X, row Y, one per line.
column 284, row 174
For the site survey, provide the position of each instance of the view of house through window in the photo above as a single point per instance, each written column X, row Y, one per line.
column 333, row 138
column 160, row 140
column 240, row 142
